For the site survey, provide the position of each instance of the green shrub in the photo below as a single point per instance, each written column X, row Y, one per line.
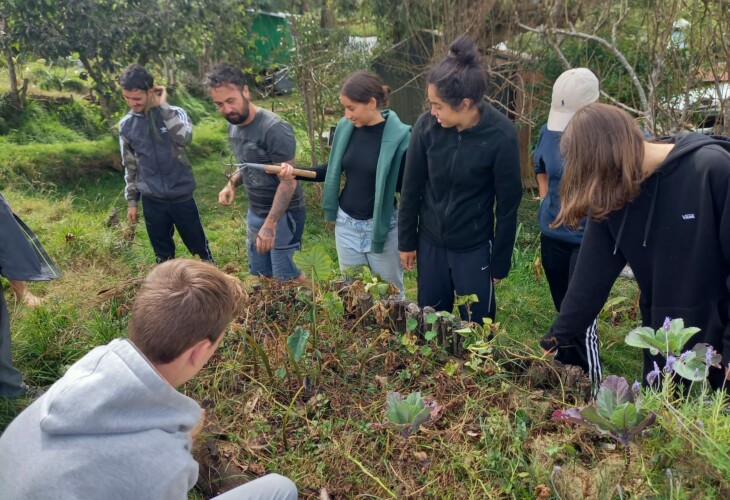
column 36, row 125
column 195, row 108
column 56, row 163
column 45, row 79
column 209, row 138
column 80, row 117
column 46, row 123
column 8, row 114
column 74, row 85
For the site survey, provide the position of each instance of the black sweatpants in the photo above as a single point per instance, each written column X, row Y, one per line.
column 442, row 272
column 161, row 219
column 558, row 261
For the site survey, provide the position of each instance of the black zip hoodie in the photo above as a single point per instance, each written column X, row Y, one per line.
column 676, row 238
column 451, row 182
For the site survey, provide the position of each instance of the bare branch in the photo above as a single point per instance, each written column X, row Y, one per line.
column 621, row 105
column 614, row 29
column 616, row 53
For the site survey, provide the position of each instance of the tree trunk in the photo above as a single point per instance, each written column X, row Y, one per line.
column 106, row 108
column 308, row 111
column 102, row 91
column 204, row 61
column 327, row 15
column 15, row 99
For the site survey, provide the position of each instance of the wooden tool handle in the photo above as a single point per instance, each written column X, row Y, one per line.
column 275, row 169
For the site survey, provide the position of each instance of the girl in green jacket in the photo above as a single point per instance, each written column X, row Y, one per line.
column 369, row 149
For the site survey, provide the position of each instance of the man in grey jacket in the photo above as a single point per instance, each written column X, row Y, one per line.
column 153, row 136
column 114, row 426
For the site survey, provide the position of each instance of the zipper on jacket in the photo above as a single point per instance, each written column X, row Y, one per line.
column 451, row 191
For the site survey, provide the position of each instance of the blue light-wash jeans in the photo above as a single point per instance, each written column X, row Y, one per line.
column 279, row 261
column 353, row 240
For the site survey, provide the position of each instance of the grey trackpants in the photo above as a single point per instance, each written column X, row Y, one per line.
column 269, row 487
column 11, row 382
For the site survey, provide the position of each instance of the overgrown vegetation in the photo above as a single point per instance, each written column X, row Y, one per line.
column 314, row 405
column 332, row 384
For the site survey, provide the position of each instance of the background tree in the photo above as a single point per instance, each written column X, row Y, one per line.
column 10, row 48
column 321, row 59
column 213, row 31
column 106, row 35
column 652, row 56
column 103, row 34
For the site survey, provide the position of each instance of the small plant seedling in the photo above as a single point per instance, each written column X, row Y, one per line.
column 668, row 340
column 408, row 413
column 615, row 412
column 315, row 263
column 466, row 301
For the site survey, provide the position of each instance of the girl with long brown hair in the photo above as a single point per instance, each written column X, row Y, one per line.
column 663, row 207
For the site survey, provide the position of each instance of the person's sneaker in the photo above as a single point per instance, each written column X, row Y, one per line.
column 627, row 273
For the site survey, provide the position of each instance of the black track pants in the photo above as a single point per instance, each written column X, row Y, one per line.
column 161, row 220
column 558, row 261
column 442, row 272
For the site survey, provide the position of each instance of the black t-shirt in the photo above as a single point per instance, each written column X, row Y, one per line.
column 359, row 164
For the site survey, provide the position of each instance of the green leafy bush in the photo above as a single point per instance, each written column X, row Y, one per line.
column 46, row 79
column 80, row 117
column 74, row 85
column 194, row 107
column 36, row 125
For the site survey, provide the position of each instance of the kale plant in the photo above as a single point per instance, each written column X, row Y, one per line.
column 615, row 412
column 408, row 413
column 693, row 365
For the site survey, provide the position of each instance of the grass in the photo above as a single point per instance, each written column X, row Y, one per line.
column 494, row 437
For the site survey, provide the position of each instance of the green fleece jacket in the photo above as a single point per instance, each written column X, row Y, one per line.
column 394, row 145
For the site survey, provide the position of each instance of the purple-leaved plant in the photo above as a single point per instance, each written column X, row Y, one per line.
column 616, row 411
column 668, row 341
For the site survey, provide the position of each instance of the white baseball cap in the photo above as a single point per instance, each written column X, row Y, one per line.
column 572, row 90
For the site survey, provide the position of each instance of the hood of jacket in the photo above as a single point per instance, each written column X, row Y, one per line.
column 114, row 390
column 684, row 146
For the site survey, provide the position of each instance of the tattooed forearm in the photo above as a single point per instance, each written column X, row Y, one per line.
column 283, row 196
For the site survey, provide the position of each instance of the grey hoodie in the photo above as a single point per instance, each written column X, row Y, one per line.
column 111, row 428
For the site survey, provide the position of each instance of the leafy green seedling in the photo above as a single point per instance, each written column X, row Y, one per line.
column 695, row 364
column 466, row 301
column 297, row 342
column 315, row 263
column 615, row 412
column 451, row 367
column 668, row 340
column 410, row 412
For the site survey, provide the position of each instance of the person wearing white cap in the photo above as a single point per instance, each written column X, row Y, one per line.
column 559, row 246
